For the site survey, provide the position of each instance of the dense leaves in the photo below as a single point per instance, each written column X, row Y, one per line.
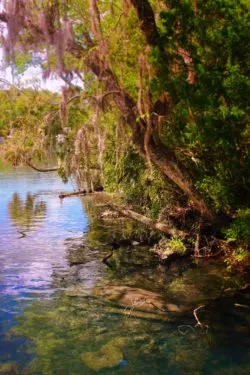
column 209, row 124
column 28, row 124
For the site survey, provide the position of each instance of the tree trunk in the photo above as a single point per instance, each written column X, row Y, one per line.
column 147, row 21
column 159, row 155
column 166, row 161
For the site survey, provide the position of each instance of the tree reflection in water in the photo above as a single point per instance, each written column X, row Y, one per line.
column 26, row 214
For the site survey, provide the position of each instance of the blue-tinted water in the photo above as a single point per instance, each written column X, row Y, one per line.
column 34, row 224
column 51, row 320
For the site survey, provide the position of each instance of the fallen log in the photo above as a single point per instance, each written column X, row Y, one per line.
column 80, row 192
column 162, row 227
column 72, row 194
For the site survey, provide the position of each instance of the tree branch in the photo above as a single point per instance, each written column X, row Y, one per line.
column 95, row 20
column 147, row 21
column 54, row 169
column 6, row 82
column 199, row 323
column 162, row 227
column 66, row 80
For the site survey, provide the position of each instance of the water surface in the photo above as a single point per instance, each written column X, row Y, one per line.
column 51, row 253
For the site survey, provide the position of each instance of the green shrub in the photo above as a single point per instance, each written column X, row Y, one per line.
column 239, row 230
column 177, row 245
column 238, row 259
column 239, row 233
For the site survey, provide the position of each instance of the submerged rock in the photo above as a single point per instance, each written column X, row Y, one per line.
column 109, row 356
column 202, row 284
column 132, row 297
column 136, row 298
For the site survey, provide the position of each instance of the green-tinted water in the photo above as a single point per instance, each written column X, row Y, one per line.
column 55, row 315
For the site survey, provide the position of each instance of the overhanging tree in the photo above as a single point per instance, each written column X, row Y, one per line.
column 165, row 107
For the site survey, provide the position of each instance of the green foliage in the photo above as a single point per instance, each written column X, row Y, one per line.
column 208, row 126
column 239, row 230
column 238, row 234
column 22, row 62
column 128, row 174
column 131, row 175
column 26, row 124
column 148, row 190
column 240, row 254
column 177, row 245
column 62, row 173
column 238, row 259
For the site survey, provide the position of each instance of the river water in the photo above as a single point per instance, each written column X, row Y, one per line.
column 52, row 322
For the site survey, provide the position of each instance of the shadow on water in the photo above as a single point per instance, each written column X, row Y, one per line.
column 62, row 311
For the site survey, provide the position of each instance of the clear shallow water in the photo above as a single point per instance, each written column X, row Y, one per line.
column 50, row 320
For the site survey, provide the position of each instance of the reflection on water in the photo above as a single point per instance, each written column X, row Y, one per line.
column 26, row 214
column 55, row 320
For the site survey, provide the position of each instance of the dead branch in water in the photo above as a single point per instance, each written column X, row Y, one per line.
column 199, row 324
column 146, row 221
